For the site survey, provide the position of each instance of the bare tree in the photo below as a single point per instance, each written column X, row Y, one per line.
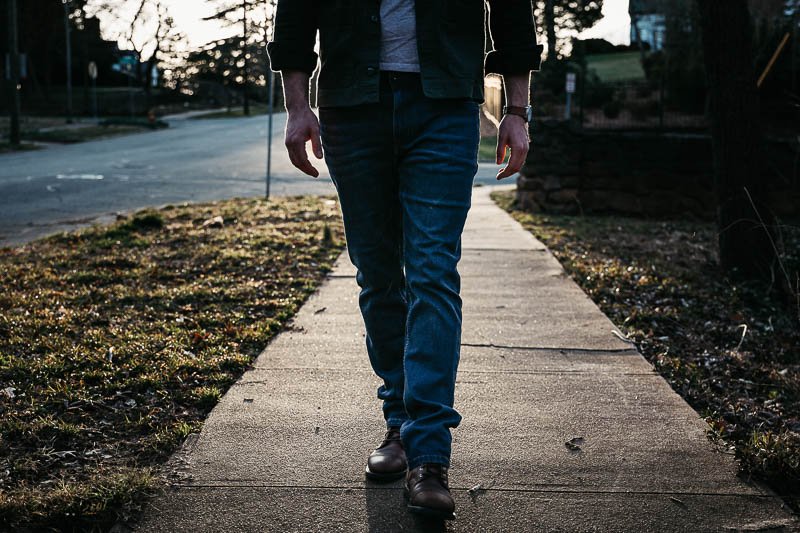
column 149, row 29
column 561, row 19
column 235, row 13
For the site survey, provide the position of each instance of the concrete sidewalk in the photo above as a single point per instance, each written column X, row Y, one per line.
column 285, row 448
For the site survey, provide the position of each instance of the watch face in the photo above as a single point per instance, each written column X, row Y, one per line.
column 529, row 112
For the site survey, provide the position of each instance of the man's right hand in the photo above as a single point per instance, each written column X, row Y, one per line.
column 303, row 126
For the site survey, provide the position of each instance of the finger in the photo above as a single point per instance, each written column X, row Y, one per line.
column 518, row 154
column 504, row 173
column 299, row 158
column 316, row 143
column 515, row 163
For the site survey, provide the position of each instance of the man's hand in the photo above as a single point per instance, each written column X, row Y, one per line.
column 513, row 134
column 303, row 126
column 513, row 131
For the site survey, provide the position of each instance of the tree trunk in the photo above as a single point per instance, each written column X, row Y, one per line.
column 550, row 26
column 745, row 223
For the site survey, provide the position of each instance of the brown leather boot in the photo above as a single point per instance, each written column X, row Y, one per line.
column 388, row 461
column 429, row 493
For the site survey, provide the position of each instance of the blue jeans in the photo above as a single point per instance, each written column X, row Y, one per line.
column 403, row 169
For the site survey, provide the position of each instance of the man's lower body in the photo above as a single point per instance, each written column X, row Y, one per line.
column 403, row 169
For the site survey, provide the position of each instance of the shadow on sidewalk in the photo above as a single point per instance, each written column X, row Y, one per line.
column 386, row 511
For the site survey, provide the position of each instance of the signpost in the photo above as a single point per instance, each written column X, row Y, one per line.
column 269, row 128
column 571, row 83
column 93, row 76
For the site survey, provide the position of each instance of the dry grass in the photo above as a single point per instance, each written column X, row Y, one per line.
column 115, row 342
column 731, row 348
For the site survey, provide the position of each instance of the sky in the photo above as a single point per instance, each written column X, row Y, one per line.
column 188, row 15
column 615, row 24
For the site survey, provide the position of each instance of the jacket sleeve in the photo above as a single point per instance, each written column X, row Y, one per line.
column 292, row 45
column 512, row 29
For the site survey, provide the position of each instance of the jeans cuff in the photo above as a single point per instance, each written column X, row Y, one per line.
column 395, row 422
column 434, row 459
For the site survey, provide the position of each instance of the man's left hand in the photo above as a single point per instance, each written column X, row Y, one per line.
column 513, row 134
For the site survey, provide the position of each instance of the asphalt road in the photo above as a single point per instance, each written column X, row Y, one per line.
column 67, row 186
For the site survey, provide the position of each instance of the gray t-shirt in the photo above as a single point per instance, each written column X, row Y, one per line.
column 399, row 36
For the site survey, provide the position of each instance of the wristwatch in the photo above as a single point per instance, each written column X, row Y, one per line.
column 524, row 112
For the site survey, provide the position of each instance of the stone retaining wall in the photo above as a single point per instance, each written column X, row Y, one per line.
column 639, row 173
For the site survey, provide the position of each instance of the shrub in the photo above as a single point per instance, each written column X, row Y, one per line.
column 612, row 109
column 642, row 109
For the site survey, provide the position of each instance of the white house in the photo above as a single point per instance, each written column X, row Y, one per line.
column 648, row 22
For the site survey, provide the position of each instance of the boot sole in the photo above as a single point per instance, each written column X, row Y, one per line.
column 384, row 477
column 427, row 512
column 431, row 513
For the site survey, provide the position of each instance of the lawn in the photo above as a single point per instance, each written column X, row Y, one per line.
column 487, row 149
column 116, row 341
column 30, row 123
column 82, row 134
column 6, row 147
column 238, row 112
column 56, row 130
column 610, row 68
column 730, row 348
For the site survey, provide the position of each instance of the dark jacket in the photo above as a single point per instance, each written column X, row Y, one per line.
column 450, row 42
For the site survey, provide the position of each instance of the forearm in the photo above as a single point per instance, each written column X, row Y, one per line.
column 295, row 90
column 517, row 89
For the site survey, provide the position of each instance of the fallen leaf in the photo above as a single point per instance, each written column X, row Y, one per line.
column 574, row 444
column 214, row 222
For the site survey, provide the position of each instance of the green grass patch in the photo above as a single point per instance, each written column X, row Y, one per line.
column 236, row 112
column 610, row 68
column 487, row 149
column 730, row 348
column 22, row 147
column 139, row 122
column 82, row 134
column 116, row 342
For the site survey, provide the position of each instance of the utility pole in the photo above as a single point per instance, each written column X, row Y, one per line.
column 13, row 78
column 68, row 37
column 244, row 56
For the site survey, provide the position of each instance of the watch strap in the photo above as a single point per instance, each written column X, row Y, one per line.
column 517, row 110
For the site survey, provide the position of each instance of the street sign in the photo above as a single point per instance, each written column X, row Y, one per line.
column 571, row 81
column 93, row 70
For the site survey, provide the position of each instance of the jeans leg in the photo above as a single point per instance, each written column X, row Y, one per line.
column 438, row 142
column 359, row 153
